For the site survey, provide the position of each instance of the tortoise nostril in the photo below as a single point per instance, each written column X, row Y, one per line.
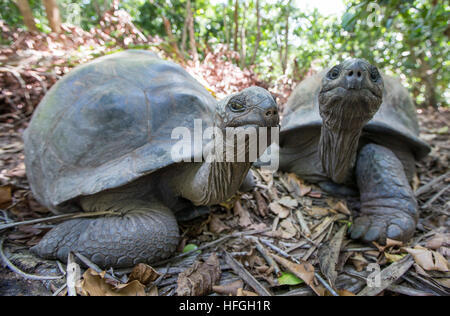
column 359, row 73
column 350, row 73
column 269, row 113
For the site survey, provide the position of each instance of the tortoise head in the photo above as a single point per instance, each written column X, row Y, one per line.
column 351, row 94
column 253, row 106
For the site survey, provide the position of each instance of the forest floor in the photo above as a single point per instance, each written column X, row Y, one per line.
column 286, row 237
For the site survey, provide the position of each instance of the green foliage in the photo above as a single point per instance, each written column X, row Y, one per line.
column 405, row 38
column 288, row 278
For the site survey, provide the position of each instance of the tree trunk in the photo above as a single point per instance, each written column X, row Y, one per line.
column 243, row 52
column 172, row 40
column 185, row 27
column 286, row 40
column 236, row 25
column 27, row 14
column 192, row 34
column 258, row 33
column 225, row 25
column 53, row 16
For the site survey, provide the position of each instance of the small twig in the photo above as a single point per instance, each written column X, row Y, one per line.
column 434, row 197
column 239, row 269
column 13, row 268
column 210, row 244
column 56, row 217
column 325, row 284
column 56, row 293
column 94, row 267
column 266, row 257
column 425, row 188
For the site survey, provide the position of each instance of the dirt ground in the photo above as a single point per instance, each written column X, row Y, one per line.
column 286, row 237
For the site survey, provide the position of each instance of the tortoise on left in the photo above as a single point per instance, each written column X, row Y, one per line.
column 101, row 140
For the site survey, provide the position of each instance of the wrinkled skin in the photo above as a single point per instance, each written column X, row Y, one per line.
column 142, row 226
column 350, row 95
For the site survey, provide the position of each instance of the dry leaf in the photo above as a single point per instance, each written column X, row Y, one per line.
column 339, row 206
column 95, row 284
column 359, row 262
column 199, row 278
column 317, row 211
column 288, row 230
column 329, row 256
column 428, row 259
column 300, row 189
column 304, row 271
column 279, row 210
column 438, row 241
column 242, row 292
column 144, row 274
column 216, row 225
column 261, row 204
column 5, row 194
column 228, row 288
column 244, row 216
column 288, row 202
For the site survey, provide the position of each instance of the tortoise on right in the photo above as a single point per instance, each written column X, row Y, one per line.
column 349, row 127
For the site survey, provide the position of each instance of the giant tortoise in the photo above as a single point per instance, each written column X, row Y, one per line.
column 351, row 126
column 101, row 142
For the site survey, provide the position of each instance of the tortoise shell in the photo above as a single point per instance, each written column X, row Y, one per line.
column 396, row 116
column 109, row 122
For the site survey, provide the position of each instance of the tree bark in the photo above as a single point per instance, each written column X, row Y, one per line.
column 27, row 14
column 243, row 52
column 53, row 16
column 225, row 24
column 236, row 25
column 286, row 40
column 258, row 33
column 172, row 40
column 192, row 34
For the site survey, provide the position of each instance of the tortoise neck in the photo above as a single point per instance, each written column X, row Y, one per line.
column 337, row 151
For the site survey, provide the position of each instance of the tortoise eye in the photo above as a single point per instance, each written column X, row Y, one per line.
column 236, row 107
column 374, row 74
column 333, row 73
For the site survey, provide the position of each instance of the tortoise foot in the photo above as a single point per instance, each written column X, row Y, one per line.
column 388, row 206
column 139, row 233
column 383, row 224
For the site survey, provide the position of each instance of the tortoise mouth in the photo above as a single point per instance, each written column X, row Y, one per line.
column 352, row 93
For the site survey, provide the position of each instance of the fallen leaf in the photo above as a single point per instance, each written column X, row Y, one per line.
column 199, row 278
column 288, row 202
column 190, row 247
column 242, row 292
column 429, row 260
column 5, row 194
column 304, row 271
column 144, row 274
column 339, row 206
column 438, row 241
column 216, row 225
column 228, row 288
column 329, row 256
column 261, row 204
column 279, row 210
column 359, row 262
column 300, row 189
column 288, row 278
column 387, row 276
column 392, row 257
column 317, row 211
column 288, row 230
column 95, row 284
column 244, row 216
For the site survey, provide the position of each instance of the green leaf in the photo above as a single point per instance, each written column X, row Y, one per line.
column 189, row 247
column 287, row 278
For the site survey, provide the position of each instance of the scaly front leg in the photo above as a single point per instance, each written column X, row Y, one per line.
column 388, row 205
